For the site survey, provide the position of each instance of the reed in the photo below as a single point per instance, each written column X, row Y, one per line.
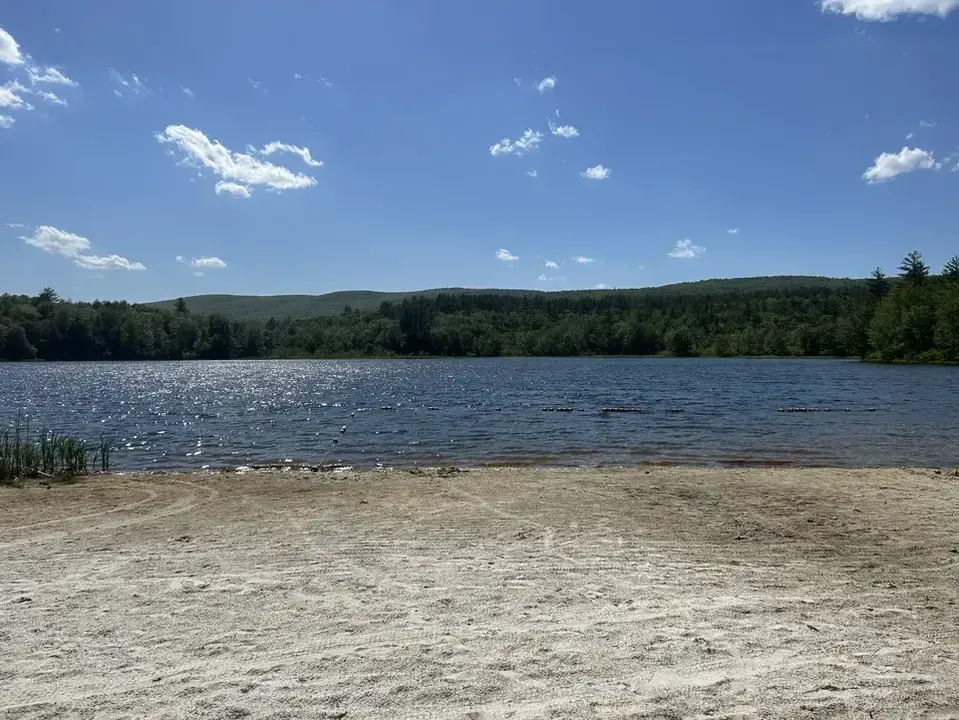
column 47, row 454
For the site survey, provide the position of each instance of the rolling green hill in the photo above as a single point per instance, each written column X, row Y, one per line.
column 298, row 307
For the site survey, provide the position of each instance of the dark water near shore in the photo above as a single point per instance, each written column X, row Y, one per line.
column 473, row 412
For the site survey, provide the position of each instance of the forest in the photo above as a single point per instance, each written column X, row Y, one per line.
column 912, row 317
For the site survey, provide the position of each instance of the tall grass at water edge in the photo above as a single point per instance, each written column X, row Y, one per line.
column 47, row 454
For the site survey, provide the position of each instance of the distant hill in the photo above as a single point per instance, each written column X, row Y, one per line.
column 263, row 307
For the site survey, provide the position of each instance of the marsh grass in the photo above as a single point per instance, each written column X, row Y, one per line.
column 47, row 454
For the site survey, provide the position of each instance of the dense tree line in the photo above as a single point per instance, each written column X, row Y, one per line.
column 914, row 317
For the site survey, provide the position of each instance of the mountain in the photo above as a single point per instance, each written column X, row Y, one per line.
column 263, row 307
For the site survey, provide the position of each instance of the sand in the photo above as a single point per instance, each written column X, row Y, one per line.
column 530, row 593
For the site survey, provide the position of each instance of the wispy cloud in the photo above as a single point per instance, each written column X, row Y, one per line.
column 232, row 188
column 9, row 49
column 547, row 83
column 50, row 97
column 563, row 131
column 298, row 76
column 255, row 83
column 231, row 167
column 733, row 231
column 553, row 265
column 597, row 172
column 601, row 286
column 928, row 123
column 532, row 173
column 208, row 263
column 127, row 83
column 530, row 139
column 686, row 250
column 583, row 260
column 518, row 82
column 889, row 165
column 180, row 259
column 6, row 122
column 60, row 242
column 325, row 82
column 303, row 152
column 11, row 96
column 885, row 10
column 15, row 225
column 506, row 256
column 186, row 91
column 50, row 75
column 910, row 136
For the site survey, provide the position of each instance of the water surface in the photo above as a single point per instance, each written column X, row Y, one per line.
column 189, row 415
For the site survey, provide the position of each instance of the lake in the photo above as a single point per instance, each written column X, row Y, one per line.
column 192, row 415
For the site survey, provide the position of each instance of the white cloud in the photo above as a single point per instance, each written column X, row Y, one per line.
column 15, row 225
column 50, row 97
column 884, row 10
column 9, row 50
column 50, row 75
column 207, row 263
column 234, row 189
column 889, row 165
column 506, row 256
column 107, row 262
column 597, row 172
column 198, row 274
column 11, row 96
column 297, row 76
column 254, row 83
column 601, row 286
column 928, row 123
column 303, row 152
column 583, row 260
column 733, row 231
column 547, row 83
column 531, row 138
column 186, row 91
column 532, row 173
column 910, row 136
column 130, row 82
column 324, row 81
column 685, row 249
column 238, row 168
column 6, row 121
column 518, row 82
column 60, row 242
column 180, row 259
column 564, row 131
column 551, row 264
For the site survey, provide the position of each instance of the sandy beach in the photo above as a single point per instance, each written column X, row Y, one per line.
column 528, row 593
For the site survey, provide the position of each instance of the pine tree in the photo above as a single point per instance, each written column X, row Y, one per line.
column 950, row 270
column 913, row 269
column 878, row 284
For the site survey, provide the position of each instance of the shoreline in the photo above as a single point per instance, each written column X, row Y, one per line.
column 486, row 593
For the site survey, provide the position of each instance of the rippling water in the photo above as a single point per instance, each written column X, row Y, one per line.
column 406, row 412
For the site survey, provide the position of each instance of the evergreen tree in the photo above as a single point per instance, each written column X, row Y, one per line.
column 878, row 284
column 950, row 270
column 913, row 269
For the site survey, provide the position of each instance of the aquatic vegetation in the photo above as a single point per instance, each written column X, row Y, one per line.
column 25, row 454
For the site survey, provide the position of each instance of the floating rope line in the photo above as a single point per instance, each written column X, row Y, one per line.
column 336, row 440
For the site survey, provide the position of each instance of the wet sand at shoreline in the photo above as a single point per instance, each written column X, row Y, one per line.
column 493, row 593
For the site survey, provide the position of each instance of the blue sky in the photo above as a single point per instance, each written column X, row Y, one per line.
column 393, row 146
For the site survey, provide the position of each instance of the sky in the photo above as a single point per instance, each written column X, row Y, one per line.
column 157, row 150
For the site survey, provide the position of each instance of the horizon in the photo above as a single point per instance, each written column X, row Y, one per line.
column 614, row 147
column 490, row 290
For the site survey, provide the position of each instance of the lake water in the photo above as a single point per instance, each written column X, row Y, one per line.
column 472, row 412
